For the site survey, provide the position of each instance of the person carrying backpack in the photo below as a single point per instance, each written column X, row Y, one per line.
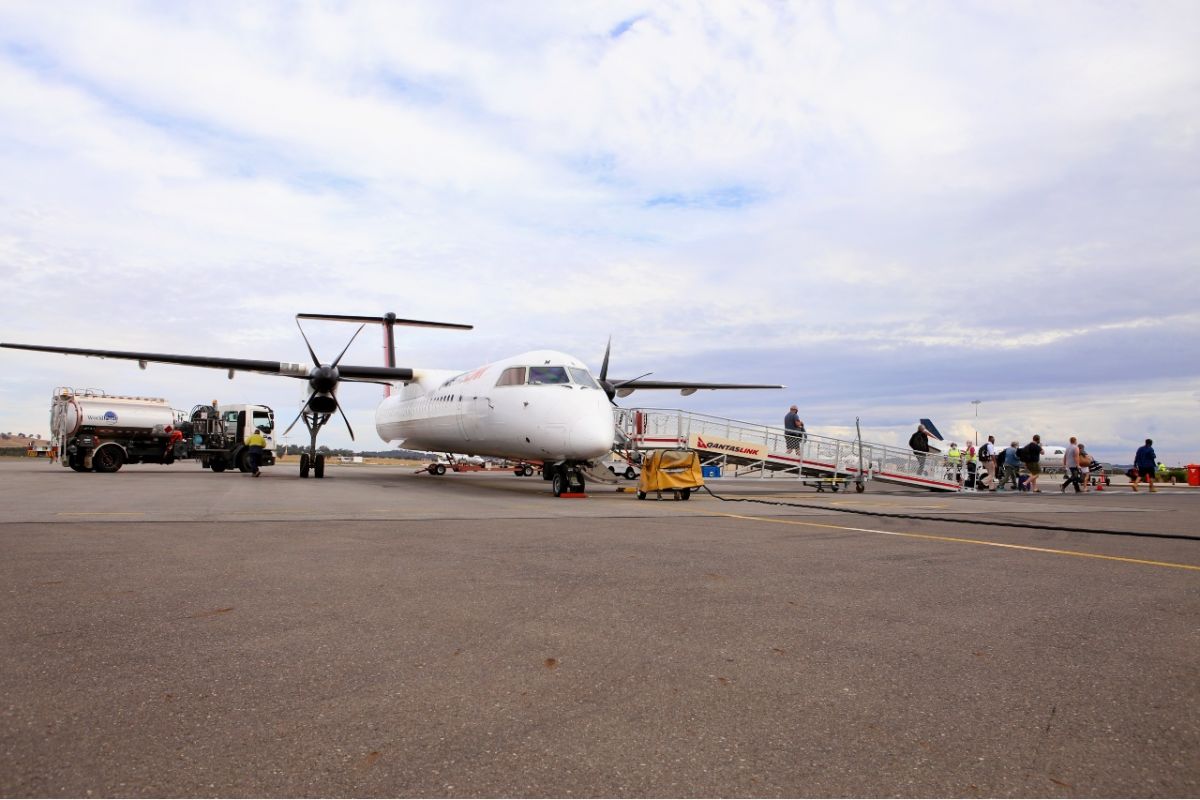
column 987, row 459
column 919, row 444
column 1031, row 457
column 1071, row 466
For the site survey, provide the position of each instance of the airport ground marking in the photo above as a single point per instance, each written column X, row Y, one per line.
column 100, row 514
column 961, row 540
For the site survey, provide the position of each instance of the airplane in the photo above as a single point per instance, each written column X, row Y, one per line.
column 542, row 406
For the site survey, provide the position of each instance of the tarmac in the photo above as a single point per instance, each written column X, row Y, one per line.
column 168, row 631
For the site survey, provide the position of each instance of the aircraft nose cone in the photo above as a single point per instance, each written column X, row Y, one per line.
column 592, row 432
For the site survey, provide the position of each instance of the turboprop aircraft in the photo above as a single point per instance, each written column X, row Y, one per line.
column 543, row 405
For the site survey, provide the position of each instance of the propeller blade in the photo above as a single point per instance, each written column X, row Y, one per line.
column 347, row 347
column 345, row 418
column 604, row 364
column 301, row 414
column 311, row 352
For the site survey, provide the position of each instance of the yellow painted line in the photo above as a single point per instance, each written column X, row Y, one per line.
column 275, row 511
column 935, row 538
column 100, row 514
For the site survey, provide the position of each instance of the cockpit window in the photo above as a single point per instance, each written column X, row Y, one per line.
column 583, row 377
column 513, row 376
column 543, row 375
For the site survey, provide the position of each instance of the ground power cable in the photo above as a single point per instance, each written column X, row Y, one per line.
column 927, row 518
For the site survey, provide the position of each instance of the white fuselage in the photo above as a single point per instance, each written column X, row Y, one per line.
column 538, row 406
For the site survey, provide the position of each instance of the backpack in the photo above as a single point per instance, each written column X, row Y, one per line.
column 1029, row 453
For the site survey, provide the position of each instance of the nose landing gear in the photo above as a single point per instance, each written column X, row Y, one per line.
column 565, row 479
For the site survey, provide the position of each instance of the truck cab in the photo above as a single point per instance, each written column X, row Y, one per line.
column 240, row 420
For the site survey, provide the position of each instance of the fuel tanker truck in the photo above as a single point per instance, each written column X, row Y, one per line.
column 97, row 431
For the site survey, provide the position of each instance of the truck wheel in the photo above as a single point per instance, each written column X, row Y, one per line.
column 528, row 471
column 243, row 462
column 440, row 469
column 75, row 462
column 319, row 467
column 217, row 465
column 304, row 465
column 630, row 474
column 108, row 458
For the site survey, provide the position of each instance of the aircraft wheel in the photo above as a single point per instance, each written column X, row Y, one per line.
column 108, row 459
column 578, row 482
column 217, row 465
column 559, row 482
column 304, row 465
column 319, row 467
column 630, row 474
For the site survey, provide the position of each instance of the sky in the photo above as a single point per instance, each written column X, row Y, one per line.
column 895, row 209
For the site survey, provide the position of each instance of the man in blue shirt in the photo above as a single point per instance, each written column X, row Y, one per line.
column 1012, row 466
column 1144, row 464
column 793, row 427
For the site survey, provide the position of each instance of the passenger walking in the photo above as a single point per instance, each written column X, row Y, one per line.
column 1071, row 467
column 1144, row 465
column 1031, row 457
column 255, row 442
column 793, row 429
column 919, row 444
column 1085, row 467
column 987, row 460
column 1012, row 466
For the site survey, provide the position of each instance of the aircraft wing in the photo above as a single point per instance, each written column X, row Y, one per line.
column 625, row 387
column 287, row 369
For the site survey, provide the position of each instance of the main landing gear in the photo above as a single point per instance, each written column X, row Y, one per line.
column 564, row 478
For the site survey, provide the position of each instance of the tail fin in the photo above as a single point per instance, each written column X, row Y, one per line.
column 929, row 426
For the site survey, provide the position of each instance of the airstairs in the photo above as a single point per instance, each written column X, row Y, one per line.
column 745, row 449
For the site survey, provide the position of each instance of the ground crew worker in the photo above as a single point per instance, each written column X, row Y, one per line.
column 256, row 443
column 954, row 458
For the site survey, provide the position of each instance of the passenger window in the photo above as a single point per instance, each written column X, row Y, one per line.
column 543, row 375
column 583, row 377
column 513, row 376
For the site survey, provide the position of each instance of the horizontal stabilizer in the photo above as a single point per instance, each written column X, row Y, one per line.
column 387, row 319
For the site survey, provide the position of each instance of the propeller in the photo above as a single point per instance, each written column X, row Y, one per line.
column 323, row 380
column 612, row 389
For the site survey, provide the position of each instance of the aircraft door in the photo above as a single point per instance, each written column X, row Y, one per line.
column 474, row 418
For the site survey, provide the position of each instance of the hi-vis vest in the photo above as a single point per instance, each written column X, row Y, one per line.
column 954, row 454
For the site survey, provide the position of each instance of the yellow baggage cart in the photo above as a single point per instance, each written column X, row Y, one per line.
column 675, row 471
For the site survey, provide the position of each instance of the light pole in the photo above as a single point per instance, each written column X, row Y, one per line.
column 976, row 404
